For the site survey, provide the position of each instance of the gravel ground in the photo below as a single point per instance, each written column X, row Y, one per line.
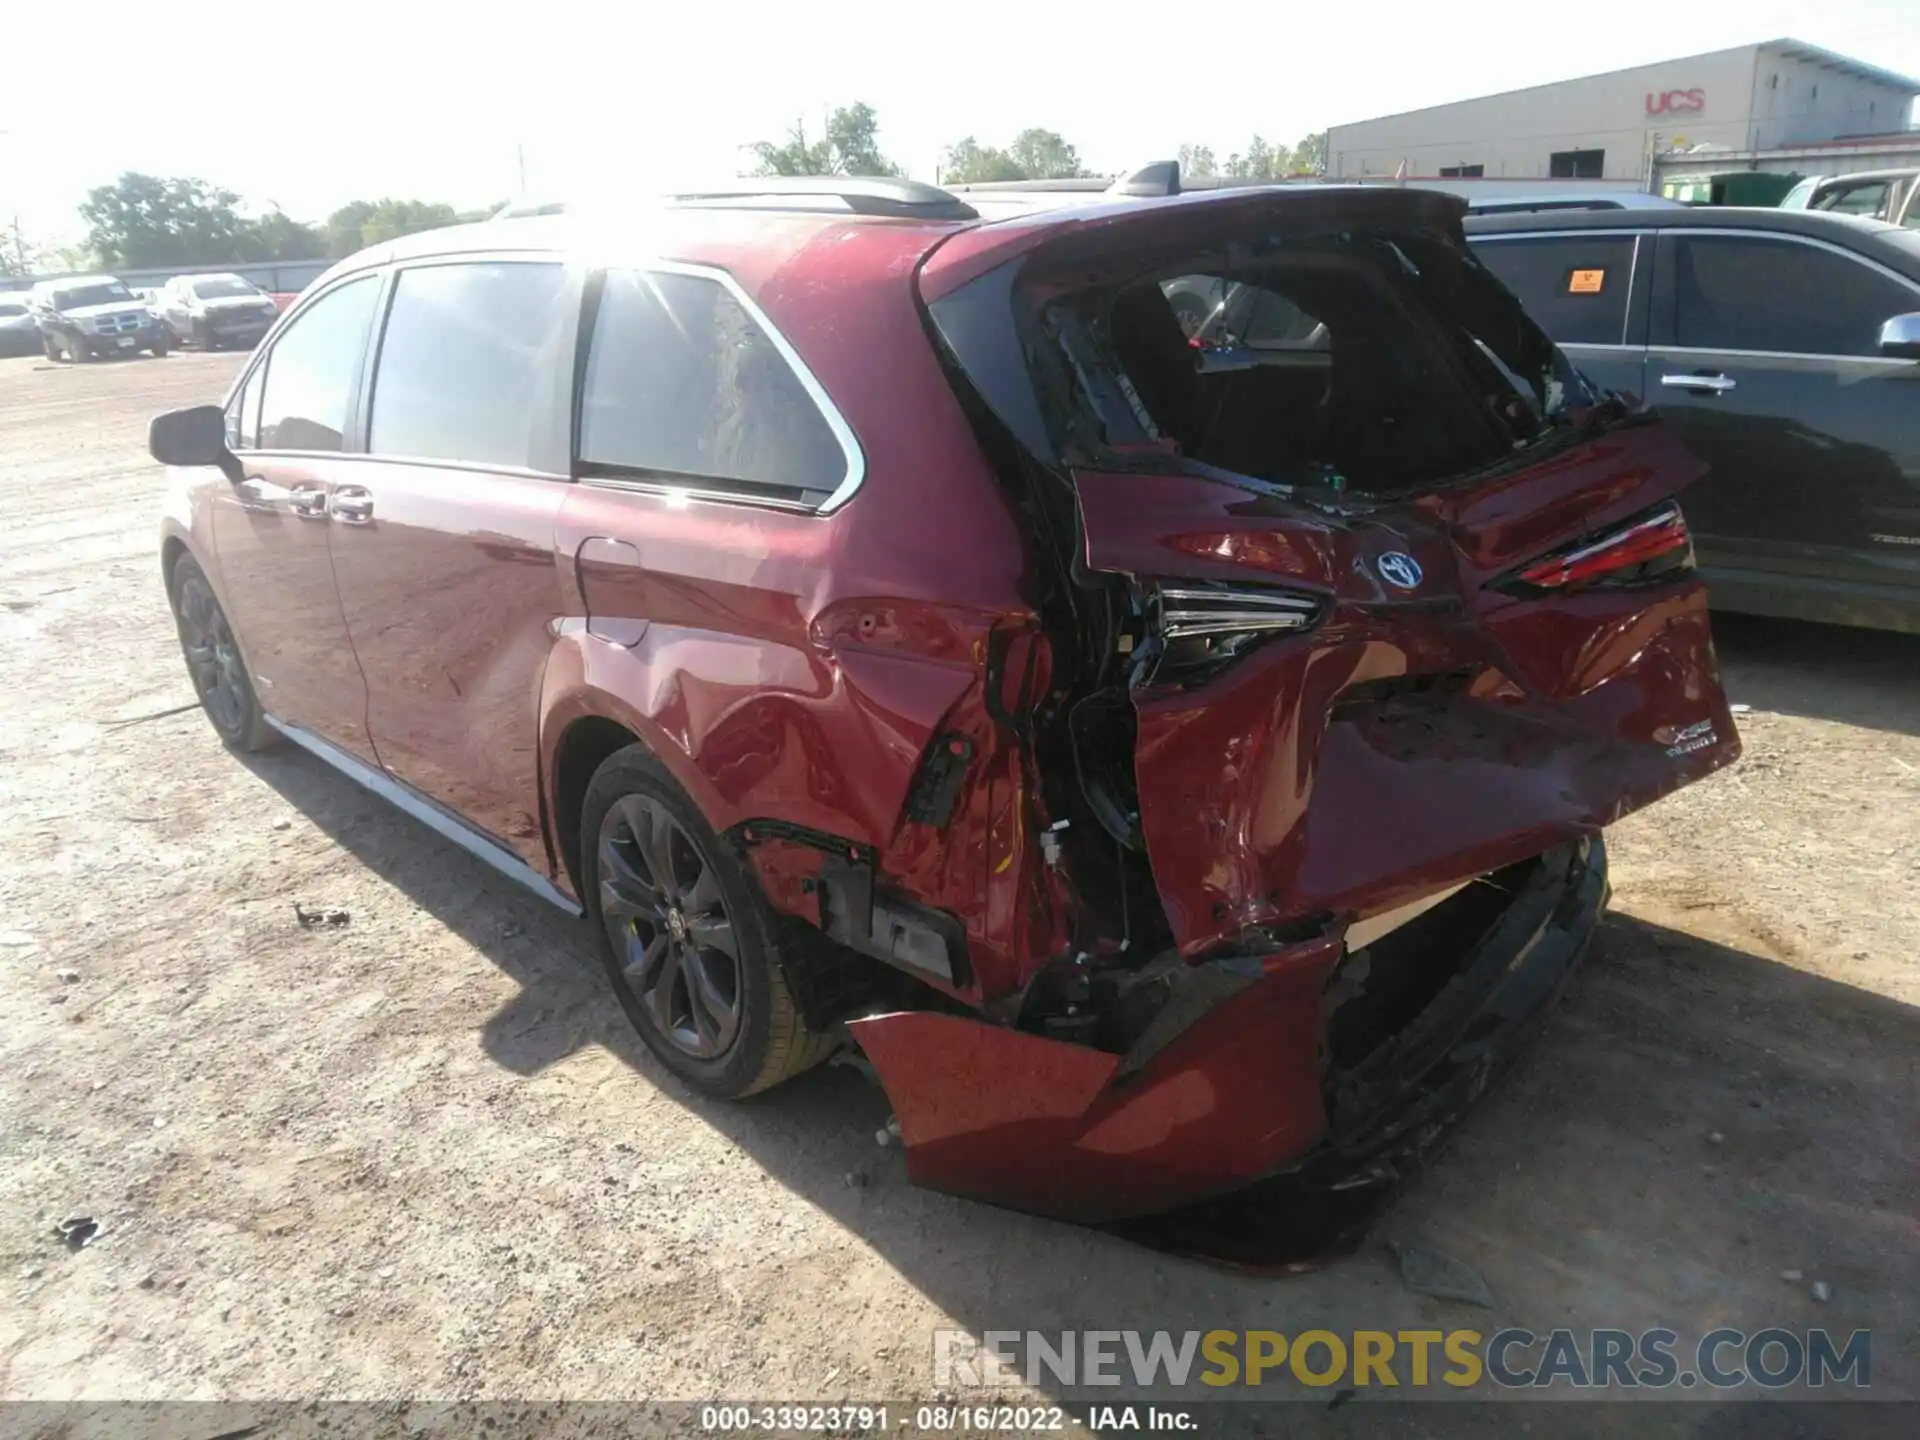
column 421, row 1155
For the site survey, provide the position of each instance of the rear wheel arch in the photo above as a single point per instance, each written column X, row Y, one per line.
column 584, row 746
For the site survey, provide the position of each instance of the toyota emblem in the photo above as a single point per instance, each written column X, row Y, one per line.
column 1400, row 569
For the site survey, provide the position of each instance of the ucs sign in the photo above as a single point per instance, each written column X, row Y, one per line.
column 1676, row 102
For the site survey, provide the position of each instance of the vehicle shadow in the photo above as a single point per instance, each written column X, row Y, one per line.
column 1822, row 672
column 1693, row 1121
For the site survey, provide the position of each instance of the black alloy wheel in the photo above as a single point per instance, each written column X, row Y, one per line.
column 214, row 663
column 668, row 924
column 686, row 935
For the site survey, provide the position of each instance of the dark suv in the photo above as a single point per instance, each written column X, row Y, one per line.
column 1180, row 773
column 1784, row 347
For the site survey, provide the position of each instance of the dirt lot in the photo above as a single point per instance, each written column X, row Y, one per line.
column 423, row 1156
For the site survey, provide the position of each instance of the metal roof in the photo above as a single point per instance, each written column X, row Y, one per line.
column 1846, row 65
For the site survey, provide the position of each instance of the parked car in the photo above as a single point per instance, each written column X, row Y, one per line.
column 1183, row 785
column 19, row 335
column 85, row 316
column 215, row 310
column 1890, row 195
column 1784, row 347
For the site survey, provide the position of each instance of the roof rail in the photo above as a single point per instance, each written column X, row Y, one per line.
column 861, row 194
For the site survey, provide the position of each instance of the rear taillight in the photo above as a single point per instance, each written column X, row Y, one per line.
column 1648, row 549
column 1195, row 630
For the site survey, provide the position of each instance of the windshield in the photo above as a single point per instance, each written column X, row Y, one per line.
column 223, row 288
column 85, row 295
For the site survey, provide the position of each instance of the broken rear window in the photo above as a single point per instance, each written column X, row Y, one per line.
column 1365, row 362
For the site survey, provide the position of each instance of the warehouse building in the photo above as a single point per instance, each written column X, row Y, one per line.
column 1777, row 96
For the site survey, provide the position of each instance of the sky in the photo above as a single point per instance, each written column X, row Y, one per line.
column 306, row 106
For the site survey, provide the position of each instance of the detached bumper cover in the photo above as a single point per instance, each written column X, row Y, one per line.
column 1230, row 1141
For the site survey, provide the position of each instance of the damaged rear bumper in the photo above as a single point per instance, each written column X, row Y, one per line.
column 1266, row 1124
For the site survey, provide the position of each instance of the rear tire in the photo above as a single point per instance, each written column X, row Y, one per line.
column 666, row 897
column 77, row 350
column 203, row 336
column 214, row 663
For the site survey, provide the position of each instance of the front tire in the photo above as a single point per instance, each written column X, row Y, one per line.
column 214, row 664
column 51, row 347
column 686, row 935
column 162, row 345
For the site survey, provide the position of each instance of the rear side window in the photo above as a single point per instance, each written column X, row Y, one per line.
column 1574, row 286
column 1869, row 198
column 466, row 361
column 314, row 368
column 683, row 383
column 1753, row 292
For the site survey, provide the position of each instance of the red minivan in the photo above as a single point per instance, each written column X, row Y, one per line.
column 1179, row 771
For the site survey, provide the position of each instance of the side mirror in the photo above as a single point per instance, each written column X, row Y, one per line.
column 1900, row 337
column 195, row 436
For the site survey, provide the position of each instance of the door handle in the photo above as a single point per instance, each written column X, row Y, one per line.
column 1702, row 384
column 308, row 500
column 352, row 504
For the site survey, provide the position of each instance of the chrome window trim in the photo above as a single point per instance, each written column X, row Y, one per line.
column 856, row 472
column 1810, row 355
column 674, row 491
column 263, row 352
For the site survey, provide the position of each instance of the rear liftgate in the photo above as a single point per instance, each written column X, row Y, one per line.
column 1381, row 694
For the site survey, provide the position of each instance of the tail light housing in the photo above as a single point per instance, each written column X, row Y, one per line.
column 1195, row 630
column 1650, row 549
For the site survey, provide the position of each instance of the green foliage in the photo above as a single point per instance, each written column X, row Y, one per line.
column 145, row 220
column 1310, row 155
column 1043, row 155
column 18, row 256
column 275, row 237
column 1197, row 162
column 1260, row 162
column 851, row 147
column 968, row 162
column 1034, row 155
column 362, row 223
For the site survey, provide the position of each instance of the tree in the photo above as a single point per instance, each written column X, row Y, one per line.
column 853, row 137
column 18, row 256
column 361, row 223
column 1310, row 155
column 1260, row 162
column 1044, row 155
column 1034, row 155
column 274, row 236
column 968, row 162
column 145, row 220
column 851, row 147
column 1197, row 163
